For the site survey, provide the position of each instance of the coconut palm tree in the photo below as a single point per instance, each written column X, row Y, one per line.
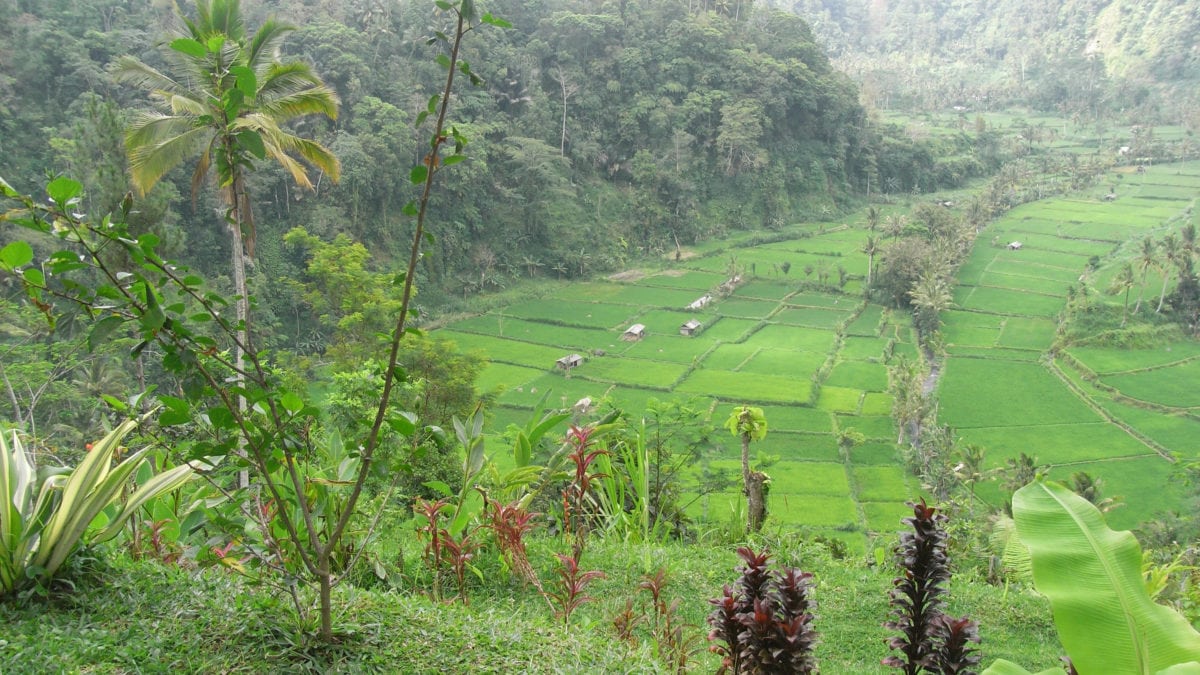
column 1122, row 283
column 870, row 248
column 1171, row 252
column 224, row 100
column 1147, row 257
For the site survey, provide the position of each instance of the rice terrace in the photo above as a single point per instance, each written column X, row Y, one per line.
column 815, row 357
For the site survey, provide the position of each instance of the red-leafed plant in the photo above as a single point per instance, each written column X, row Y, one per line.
column 569, row 594
column 443, row 553
column 765, row 624
column 929, row 641
column 577, row 492
column 510, row 523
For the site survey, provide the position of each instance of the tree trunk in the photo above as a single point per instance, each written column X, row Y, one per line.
column 752, row 486
column 325, row 579
column 756, row 501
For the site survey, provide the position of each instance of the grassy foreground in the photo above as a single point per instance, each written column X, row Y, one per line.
column 141, row 616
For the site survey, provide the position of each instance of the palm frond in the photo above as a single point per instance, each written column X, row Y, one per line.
column 185, row 104
column 151, row 128
column 151, row 161
column 281, row 79
column 264, row 46
column 129, row 70
column 314, row 101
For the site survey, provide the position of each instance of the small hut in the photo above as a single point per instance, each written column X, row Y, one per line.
column 569, row 361
column 690, row 328
column 634, row 333
column 701, row 302
column 1015, row 245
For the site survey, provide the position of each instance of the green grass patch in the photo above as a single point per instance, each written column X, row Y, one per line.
column 746, row 308
column 859, row 375
column 1055, row 443
column 1007, row 301
column 1144, row 483
column 502, row 376
column 730, row 356
column 1016, row 394
column 876, row 403
column 1024, row 333
column 791, row 337
column 636, row 372
column 729, row 329
column 814, row 510
column 573, row 313
column 500, row 350
column 1024, row 282
column 784, row 418
column 871, row 426
column 875, row 453
column 885, row 517
column 971, row 328
column 763, row 289
column 784, row 362
column 882, row 483
column 1110, row 360
column 824, row 300
column 856, row 348
column 691, row 280
column 565, row 337
column 867, row 323
column 839, row 399
column 811, row 317
column 1170, row 386
column 746, row 387
column 808, row 478
column 652, row 296
column 674, row 348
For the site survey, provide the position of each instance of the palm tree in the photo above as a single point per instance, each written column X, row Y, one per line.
column 1147, row 258
column 895, row 224
column 223, row 100
column 870, row 248
column 931, row 296
column 1122, row 283
column 1171, row 252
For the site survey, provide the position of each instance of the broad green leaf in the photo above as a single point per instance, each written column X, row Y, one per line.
column 63, row 190
column 15, row 254
column 495, row 21
column 418, row 174
column 1190, row 668
column 177, row 411
column 291, row 402
column 452, row 160
column 34, row 277
column 438, row 487
column 189, row 47
column 246, row 80
column 404, row 423
column 1105, row 618
column 252, row 142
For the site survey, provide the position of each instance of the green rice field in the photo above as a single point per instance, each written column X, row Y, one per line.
column 813, row 357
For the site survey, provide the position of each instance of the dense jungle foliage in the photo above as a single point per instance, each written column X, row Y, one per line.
column 1077, row 57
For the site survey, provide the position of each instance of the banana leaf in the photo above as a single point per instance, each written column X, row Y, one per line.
column 1105, row 618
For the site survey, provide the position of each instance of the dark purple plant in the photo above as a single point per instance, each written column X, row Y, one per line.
column 955, row 655
column 765, row 626
column 929, row 641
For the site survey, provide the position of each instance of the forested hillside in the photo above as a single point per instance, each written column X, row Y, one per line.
column 1137, row 58
column 599, row 132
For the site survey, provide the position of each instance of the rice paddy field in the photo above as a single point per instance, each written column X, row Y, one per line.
column 1120, row 414
column 793, row 335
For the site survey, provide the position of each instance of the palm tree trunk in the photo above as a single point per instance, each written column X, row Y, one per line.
column 1163, row 295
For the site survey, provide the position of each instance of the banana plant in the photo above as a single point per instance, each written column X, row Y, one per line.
column 1105, row 617
column 43, row 520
